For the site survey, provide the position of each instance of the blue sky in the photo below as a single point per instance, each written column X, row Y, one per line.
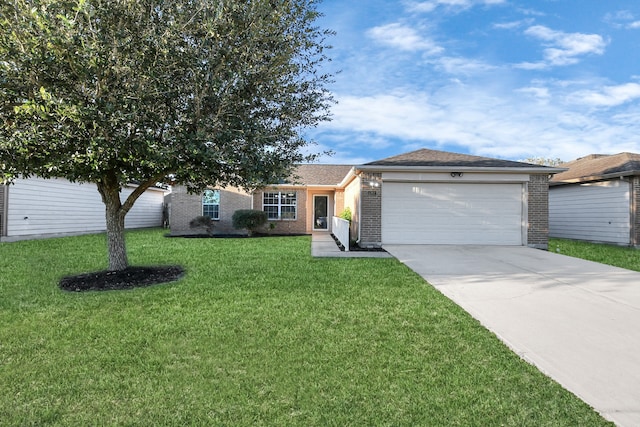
column 499, row 78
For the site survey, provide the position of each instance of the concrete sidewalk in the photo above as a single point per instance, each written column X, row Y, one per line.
column 324, row 246
column 577, row 321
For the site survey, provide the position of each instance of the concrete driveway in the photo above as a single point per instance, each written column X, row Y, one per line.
column 577, row 321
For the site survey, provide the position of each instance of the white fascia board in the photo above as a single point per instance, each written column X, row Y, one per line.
column 605, row 177
column 347, row 179
column 153, row 188
column 448, row 169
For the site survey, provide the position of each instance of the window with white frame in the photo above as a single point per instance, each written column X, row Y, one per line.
column 280, row 205
column 211, row 204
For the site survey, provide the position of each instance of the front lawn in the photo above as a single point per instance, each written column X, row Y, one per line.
column 256, row 333
column 619, row 256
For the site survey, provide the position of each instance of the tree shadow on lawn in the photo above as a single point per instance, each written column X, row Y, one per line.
column 129, row 278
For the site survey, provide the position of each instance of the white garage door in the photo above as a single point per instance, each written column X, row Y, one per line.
column 452, row 213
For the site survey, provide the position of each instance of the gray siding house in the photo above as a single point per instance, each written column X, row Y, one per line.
column 597, row 199
column 40, row 208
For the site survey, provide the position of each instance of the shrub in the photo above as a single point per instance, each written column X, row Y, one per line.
column 346, row 214
column 250, row 219
column 202, row 222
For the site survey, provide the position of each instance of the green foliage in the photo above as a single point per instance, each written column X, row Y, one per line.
column 202, row 222
column 256, row 333
column 544, row 161
column 111, row 92
column 619, row 256
column 249, row 219
column 211, row 92
column 346, row 214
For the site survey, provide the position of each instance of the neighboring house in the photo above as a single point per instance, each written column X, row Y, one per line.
column 37, row 207
column 597, row 199
column 422, row 197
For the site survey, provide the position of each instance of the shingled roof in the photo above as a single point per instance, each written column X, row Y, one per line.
column 435, row 158
column 599, row 166
column 315, row 174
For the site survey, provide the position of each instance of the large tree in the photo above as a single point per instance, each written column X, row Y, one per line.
column 209, row 92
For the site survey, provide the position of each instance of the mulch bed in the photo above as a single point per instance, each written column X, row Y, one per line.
column 129, row 278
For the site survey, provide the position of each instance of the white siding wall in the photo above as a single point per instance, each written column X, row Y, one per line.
column 39, row 206
column 597, row 212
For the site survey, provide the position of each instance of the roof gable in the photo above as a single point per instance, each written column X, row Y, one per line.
column 599, row 166
column 435, row 158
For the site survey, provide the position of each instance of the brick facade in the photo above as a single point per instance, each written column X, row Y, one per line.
column 370, row 210
column 286, row 226
column 184, row 207
column 538, row 215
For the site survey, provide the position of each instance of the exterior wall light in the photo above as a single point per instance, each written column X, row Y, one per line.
column 456, row 174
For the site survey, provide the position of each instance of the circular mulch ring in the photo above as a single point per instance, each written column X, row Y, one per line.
column 129, row 278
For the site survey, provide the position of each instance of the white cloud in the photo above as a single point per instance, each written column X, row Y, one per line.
column 608, row 96
column 483, row 121
column 563, row 48
column 541, row 94
column 404, row 38
column 431, row 5
column 623, row 19
column 512, row 25
column 463, row 66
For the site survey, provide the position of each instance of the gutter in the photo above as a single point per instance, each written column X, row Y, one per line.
column 449, row 168
column 351, row 175
column 593, row 178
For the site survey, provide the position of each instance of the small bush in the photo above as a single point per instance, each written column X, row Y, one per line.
column 202, row 222
column 346, row 214
column 249, row 219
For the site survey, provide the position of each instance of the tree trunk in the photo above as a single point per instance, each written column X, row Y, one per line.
column 115, row 227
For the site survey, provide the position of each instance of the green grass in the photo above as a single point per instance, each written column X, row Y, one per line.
column 257, row 333
column 619, row 256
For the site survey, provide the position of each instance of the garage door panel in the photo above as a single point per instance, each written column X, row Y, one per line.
column 447, row 213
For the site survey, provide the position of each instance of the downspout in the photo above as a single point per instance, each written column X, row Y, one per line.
column 633, row 211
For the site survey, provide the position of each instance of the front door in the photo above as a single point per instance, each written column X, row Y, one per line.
column 321, row 212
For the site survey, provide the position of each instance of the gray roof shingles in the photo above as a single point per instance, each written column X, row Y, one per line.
column 314, row 174
column 435, row 158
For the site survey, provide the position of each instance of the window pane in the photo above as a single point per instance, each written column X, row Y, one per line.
column 211, row 204
column 211, row 197
column 280, row 205
column 288, row 212
column 272, row 212
column 270, row 198
column 289, row 199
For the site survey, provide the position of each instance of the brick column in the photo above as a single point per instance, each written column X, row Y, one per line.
column 184, row 208
column 370, row 210
column 538, row 226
